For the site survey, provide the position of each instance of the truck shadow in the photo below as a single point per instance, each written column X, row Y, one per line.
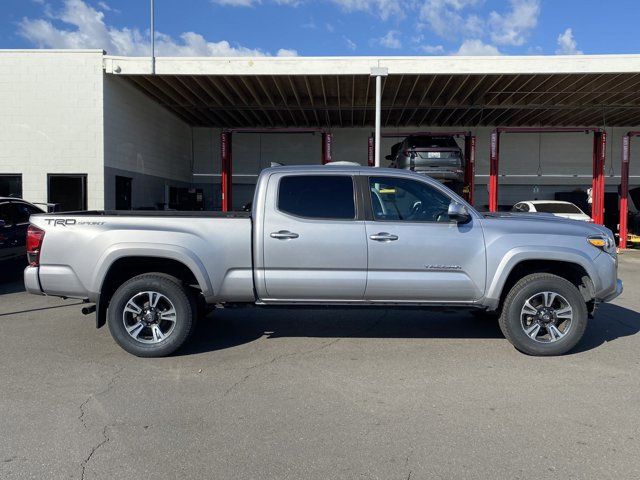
column 229, row 328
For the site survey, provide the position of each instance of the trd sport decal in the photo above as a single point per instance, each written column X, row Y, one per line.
column 68, row 222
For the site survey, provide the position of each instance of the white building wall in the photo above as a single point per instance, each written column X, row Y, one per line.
column 143, row 141
column 51, row 118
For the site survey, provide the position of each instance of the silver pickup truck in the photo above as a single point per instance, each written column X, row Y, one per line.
column 327, row 235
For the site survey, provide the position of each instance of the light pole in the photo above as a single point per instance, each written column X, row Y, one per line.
column 153, row 40
column 378, row 72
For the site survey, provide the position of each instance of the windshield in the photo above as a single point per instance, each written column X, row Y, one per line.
column 557, row 208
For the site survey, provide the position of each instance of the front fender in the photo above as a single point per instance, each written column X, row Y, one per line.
column 157, row 250
column 526, row 253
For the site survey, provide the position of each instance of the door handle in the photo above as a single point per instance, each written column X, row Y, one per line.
column 284, row 235
column 384, row 237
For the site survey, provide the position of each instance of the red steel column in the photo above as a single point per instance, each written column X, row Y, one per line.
column 370, row 152
column 597, row 192
column 470, row 163
column 494, row 160
column 327, row 140
column 624, row 189
column 226, row 179
column 601, row 180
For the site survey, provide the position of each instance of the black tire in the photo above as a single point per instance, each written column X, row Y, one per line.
column 174, row 292
column 511, row 318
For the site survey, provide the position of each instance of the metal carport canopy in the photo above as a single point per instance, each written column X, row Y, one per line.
column 577, row 90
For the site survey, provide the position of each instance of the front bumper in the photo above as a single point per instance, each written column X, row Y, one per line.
column 619, row 289
column 31, row 281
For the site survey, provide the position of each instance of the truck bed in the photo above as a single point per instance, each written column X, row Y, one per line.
column 215, row 246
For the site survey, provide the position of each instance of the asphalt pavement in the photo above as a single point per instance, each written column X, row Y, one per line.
column 318, row 394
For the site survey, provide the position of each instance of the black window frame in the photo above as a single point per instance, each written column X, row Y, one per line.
column 19, row 175
column 366, row 185
column 357, row 199
column 85, row 187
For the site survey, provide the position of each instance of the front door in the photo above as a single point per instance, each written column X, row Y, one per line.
column 314, row 239
column 416, row 253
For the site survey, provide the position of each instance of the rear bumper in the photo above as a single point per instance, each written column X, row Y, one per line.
column 31, row 281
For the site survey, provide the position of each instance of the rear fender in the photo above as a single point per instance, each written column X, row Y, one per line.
column 173, row 252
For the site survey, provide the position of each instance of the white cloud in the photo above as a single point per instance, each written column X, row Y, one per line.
column 447, row 19
column 567, row 45
column 87, row 29
column 453, row 19
column 351, row 45
column 432, row 49
column 476, row 47
column 391, row 40
column 385, row 9
column 513, row 27
column 287, row 52
column 236, row 3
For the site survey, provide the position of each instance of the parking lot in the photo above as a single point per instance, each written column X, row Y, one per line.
column 314, row 393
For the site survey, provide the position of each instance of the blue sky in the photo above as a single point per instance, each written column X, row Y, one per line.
column 326, row 27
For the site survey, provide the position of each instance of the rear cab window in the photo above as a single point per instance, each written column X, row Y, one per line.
column 326, row 197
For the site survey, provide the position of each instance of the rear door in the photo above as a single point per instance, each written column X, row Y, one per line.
column 416, row 254
column 313, row 238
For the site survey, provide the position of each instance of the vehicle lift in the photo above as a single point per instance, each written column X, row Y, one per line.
column 599, row 155
column 226, row 154
column 469, row 154
column 624, row 192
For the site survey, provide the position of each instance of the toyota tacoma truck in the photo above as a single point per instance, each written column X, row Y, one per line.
column 326, row 235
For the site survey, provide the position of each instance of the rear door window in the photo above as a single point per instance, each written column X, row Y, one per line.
column 22, row 211
column 6, row 214
column 318, row 196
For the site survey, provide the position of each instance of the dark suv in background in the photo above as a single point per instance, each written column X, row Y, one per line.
column 14, row 221
column 438, row 157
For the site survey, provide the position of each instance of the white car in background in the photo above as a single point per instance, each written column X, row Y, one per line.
column 555, row 207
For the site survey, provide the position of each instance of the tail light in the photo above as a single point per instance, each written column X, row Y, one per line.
column 35, row 236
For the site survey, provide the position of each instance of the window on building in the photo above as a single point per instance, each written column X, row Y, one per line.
column 317, row 196
column 10, row 185
column 68, row 192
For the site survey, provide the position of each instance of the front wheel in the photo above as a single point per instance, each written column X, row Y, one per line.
column 151, row 315
column 544, row 315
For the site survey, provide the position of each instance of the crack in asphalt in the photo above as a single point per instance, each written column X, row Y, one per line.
column 108, row 387
column 94, row 449
column 83, row 414
column 406, row 464
column 363, row 331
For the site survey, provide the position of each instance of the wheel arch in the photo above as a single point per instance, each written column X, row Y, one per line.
column 119, row 265
column 571, row 265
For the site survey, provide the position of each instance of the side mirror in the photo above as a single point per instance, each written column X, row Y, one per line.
column 458, row 213
column 2, row 223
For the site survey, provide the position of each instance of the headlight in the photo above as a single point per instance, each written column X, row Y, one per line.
column 603, row 242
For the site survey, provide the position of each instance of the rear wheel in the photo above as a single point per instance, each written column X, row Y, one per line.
column 151, row 315
column 544, row 315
